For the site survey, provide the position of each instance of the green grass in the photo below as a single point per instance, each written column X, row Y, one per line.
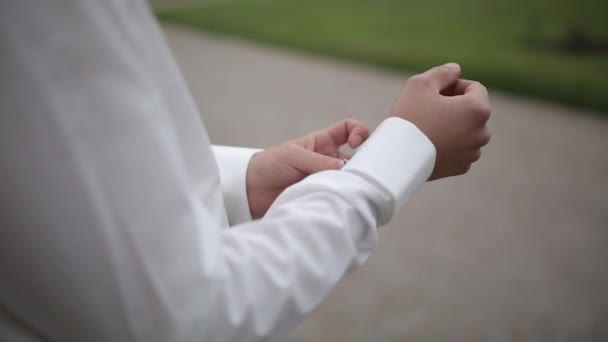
column 489, row 38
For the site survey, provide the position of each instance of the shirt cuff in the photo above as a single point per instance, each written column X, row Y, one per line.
column 232, row 164
column 397, row 157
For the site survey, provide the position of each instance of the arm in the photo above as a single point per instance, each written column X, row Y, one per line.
column 103, row 238
column 232, row 163
column 100, row 245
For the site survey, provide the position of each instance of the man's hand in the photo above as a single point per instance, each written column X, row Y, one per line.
column 276, row 168
column 451, row 112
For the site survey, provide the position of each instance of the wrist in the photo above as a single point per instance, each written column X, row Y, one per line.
column 402, row 170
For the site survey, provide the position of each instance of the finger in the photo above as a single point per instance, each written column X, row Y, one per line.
column 474, row 98
column 474, row 155
column 460, row 86
column 443, row 76
column 475, row 89
column 349, row 131
column 449, row 91
column 310, row 162
column 484, row 137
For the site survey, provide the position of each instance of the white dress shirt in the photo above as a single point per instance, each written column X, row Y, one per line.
column 113, row 218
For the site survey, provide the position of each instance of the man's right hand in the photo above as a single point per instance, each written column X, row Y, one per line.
column 451, row 112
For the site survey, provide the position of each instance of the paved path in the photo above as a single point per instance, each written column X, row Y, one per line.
column 515, row 250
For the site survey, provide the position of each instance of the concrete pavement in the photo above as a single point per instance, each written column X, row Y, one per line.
column 515, row 250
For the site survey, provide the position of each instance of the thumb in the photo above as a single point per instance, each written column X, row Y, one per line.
column 310, row 162
column 444, row 76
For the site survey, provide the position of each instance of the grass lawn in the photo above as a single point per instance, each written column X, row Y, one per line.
column 493, row 40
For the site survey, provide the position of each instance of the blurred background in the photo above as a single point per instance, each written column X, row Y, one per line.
column 516, row 250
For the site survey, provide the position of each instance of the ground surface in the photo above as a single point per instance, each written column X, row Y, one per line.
column 517, row 250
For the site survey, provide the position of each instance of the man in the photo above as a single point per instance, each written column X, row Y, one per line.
column 114, row 223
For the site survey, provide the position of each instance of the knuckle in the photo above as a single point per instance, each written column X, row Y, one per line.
column 483, row 104
column 469, row 103
column 485, row 137
column 443, row 69
column 291, row 148
column 479, row 88
column 464, row 168
column 459, row 169
column 480, row 108
column 354, row 123
column 475, row 156
column 483, row 110
column 420, row 80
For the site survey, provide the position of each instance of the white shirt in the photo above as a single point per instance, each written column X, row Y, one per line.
column 113, row 218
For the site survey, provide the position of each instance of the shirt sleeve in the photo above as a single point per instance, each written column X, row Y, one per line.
column 398, row 157
column 232, row 164
column 103, row 237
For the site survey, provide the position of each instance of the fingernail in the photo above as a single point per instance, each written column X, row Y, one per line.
column 453, row 66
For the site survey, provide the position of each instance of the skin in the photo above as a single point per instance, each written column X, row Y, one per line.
column 273, row 170
column 450, row 111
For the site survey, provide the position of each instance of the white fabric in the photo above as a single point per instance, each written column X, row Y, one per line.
column 112, row 211
column 232, row 163
column 416, row 158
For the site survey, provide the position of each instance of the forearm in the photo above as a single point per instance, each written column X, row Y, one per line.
column 170, row 274
column 146, row 261
column 319, row 228
column 279, row 269
column 106, row 238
